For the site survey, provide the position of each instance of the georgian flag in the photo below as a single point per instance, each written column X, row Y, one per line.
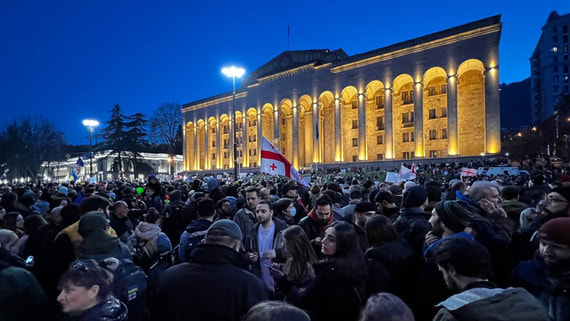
column 406, row 173
column 274, row 163
column 468, row 172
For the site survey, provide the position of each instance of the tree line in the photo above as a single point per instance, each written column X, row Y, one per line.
column 28, row 142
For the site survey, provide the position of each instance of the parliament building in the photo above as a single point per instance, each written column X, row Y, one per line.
column 433, row 96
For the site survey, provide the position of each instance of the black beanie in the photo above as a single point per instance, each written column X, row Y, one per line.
column 564, row 191
column 456, row 215
column 414, row 196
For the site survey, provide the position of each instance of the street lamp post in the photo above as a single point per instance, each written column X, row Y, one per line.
column 234, row 72
column 90, row 124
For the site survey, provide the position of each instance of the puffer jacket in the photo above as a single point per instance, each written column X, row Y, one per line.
column 109, row 310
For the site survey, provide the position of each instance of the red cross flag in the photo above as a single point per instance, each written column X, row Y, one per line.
column 274, row 163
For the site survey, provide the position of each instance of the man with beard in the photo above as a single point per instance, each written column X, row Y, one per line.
column 260, row 244
column 317, row 221
column 245, row 217
column 224, row 209
column 547, row 276
column 465, row 266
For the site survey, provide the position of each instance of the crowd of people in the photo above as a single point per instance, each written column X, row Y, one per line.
column 441, row 247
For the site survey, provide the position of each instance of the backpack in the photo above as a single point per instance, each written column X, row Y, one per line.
column 141, row 257
column 129, row 286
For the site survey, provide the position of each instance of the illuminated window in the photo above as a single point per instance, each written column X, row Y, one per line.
column 355, row 105
column 379, row 156
column 407, row 97
column 354, row 158
column 432, row 134
column 431, row 91
column 213, row 130
column 225, row 154
column 554, row 49
column 432, row 114
column 405, row 137
column 433, row 153
column 406, row 155
column 355, row 142
column 213, row 156
column 444, row 89
column 379, row 139
column 444, row 133
column 443, row 112
column 408, row 119
column 380, row 123
column 213, row 143
column 565, row 50
column 379, row 102
column 226, row 143
column 354, row 124
column 283, row 121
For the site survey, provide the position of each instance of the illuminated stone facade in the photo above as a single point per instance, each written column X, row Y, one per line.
column 433, row 96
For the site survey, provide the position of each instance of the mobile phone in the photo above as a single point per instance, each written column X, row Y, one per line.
column 30, row 261
column 272, row 268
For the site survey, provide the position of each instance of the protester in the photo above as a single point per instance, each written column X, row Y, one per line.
column 386, row 307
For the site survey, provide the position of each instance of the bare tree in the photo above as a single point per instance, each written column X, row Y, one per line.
column 165, row 127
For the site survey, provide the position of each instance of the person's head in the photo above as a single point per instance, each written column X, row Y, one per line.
column 70, row 214
column 95, row 203
column 206, row 208
column 224, row 232
column 509, row 193
column 355, row 195
column 450, row 217
column 55, row 215
column 379, row 229
column 339, row 240
column 384, row 199
column 362, row 211
column 264, row 212
column 396, row 190
column 14, row 221
column 252, row 198
column 83, row 286
column 558, row 201
column 275, row 311
column 91, row 222
column 33, row 222
column 152, row 216
column 265, row 193
column 415, row 196
column 285, row 207
column 386, row 307
column 297, row 245
column 368, row 185
column 554, row 242
column 8, row 239
column 224, row 208
column 151, row 190
column 462, row 261
column 484, row 190
column 289, row 190
column 120, row 209
column 434, row 192
column 323, row 209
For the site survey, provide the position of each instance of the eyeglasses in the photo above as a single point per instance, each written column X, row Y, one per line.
column 82, row 265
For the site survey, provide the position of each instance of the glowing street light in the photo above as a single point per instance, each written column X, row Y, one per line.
column 234, row 72
column 90, row 124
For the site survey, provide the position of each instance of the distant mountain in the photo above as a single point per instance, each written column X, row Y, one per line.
column 515, row 104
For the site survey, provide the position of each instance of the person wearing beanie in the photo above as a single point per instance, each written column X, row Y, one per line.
column 412, row 224
column 97, row 243
column 213, row 286
column 547, row 276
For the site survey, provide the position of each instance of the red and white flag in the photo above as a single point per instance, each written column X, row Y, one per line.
column 406, row 173
column 468, row 172
column 274, row 163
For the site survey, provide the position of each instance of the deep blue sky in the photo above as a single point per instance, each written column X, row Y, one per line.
column 70, row 60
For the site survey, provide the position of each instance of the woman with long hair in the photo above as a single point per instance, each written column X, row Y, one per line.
column 14, row 222
column 338, row 290
column 285, row 210
column 297, row 271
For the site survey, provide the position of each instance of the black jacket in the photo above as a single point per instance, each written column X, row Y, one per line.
column 212, row 286
column 413, row 226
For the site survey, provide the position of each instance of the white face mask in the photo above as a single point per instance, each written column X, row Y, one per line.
column 293, row 211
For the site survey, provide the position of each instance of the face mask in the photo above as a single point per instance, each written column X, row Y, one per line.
column 293, row 211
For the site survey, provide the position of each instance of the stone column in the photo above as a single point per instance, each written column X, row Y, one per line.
column 419, row 120
column 362, row 127
column 276, row 129
column 337, row 131
column 295, row 136
column 259, row 138
column 388, row 128
column 219, row 158
column 184, row 146
column 207, row 159
column 452, row 134
column 492, row 118
column 316, row 145
column 195, row 162
column 244, row 141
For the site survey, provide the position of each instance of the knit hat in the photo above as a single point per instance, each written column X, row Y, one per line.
column 92, row 221
column 456, row 215
column 415, row 196
column 98, row 242
column 556, row 230
column 225, row 228
column 210, row 184
column 564, row 191
column 510, row 192
column 63, row 190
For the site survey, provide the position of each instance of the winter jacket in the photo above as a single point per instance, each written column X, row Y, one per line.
column 150, row 238
column 491, row 303
column 212, row 286
column 245, row 219
column 194, row 234
column 413, row 226
column 109, row 310
column 550, row 285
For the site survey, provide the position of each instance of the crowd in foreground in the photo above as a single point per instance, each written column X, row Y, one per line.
column 271, row 249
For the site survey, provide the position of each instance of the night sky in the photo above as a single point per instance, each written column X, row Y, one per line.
column 71, row 60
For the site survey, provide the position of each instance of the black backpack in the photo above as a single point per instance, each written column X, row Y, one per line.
column 129, row 286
